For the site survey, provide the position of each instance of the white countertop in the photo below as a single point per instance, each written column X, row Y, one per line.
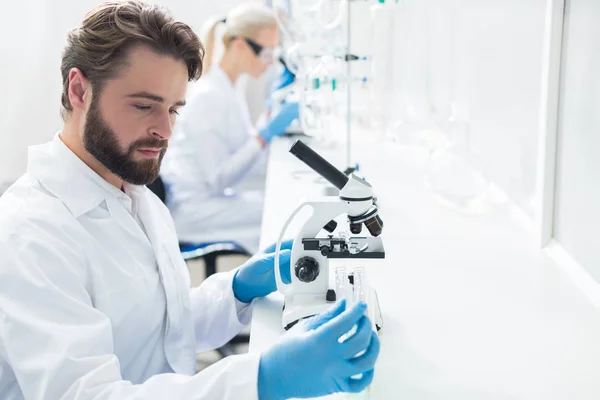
column 472, row 308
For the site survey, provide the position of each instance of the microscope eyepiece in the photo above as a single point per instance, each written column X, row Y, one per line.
column 320, row 165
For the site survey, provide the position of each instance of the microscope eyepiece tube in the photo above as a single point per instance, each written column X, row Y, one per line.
column 319, row 164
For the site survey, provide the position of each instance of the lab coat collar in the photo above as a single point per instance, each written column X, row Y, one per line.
column 66, row 176
column 222, row 78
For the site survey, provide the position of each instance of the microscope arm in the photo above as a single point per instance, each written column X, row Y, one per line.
column 282, row 287
column 322, row 213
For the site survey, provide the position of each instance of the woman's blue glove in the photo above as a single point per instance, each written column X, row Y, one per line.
column 256, row 278
column 310, row 361
column 278, row 124
column 284, row 79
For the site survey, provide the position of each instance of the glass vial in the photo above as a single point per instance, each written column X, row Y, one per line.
column 341, row 284
column 360, row 294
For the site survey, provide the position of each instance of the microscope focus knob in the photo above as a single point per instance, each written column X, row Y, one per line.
column 307, row 269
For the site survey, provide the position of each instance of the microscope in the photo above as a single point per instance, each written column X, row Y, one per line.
column 309, row 292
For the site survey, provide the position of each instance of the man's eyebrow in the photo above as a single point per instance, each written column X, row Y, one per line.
column 153, row 97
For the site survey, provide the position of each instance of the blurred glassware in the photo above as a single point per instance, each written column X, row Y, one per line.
column 454, row 170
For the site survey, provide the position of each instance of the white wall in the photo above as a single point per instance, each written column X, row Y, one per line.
column 577, row 219
column 32, row 35
column 501, row 44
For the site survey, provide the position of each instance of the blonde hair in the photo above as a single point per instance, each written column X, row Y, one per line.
column 246, row 20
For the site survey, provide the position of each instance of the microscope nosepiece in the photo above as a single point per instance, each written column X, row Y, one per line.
column 371, row 219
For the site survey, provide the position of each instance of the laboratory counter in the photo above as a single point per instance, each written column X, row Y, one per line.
column 472, row 307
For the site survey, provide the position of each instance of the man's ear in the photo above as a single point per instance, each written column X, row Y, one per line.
column 80, row 90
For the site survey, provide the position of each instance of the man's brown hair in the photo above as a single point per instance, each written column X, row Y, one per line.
column 99, row 45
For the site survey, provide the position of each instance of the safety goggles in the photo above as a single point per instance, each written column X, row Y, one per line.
column 264, row 54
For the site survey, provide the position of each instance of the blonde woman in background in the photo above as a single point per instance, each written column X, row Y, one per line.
column 215, row 146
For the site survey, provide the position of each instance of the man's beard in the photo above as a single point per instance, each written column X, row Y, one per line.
column 102, row 143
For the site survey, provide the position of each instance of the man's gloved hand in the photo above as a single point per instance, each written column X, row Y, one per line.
column 279, row 123
column 256, row 278
column 310, row 361
column 285, row 245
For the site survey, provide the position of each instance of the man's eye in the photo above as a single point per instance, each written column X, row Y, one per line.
column 142, row 107
column 174, row 112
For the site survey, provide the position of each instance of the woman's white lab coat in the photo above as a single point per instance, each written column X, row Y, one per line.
column 94, row 295
column 212, row 151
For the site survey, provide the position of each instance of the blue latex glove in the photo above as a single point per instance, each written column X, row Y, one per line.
column 284, row 79
column 256, row 278
column 310, row 361
column 278, row 124
column 285, row 245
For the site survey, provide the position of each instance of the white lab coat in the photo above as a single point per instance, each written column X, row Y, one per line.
column 212, row 151
column 94, row 295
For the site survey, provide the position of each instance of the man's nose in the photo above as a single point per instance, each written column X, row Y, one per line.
column 163, row 128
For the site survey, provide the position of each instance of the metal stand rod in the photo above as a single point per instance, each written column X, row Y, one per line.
column 348, row 91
